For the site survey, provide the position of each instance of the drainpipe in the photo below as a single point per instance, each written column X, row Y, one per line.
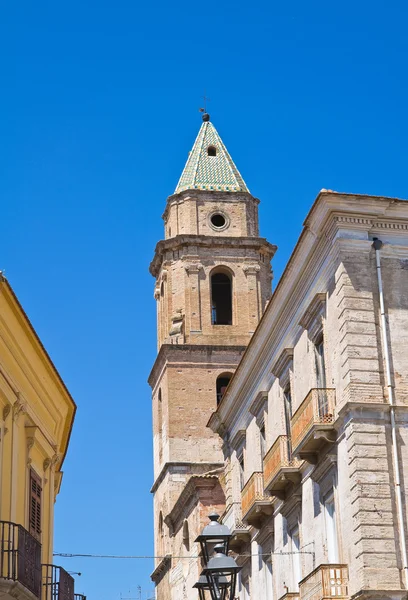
column 377, row 245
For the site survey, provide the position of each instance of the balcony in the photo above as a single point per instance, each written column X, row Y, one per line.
column 312, row 424
column 256, row 504
column 327, row 581
column 232, row 518
column 290, row 596
column 57, row 584
column 20, row 562
column 79, row 597
column 280, row 467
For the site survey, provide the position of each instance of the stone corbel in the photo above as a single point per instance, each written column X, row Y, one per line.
column 177, row 321
column 251, row 269
column 193, row 268
column 156, row 293
column 19, row 408
column 30, row 444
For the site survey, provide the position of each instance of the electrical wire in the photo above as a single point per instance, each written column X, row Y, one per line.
column 132, row 557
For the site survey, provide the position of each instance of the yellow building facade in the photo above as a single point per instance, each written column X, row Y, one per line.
column 36, row 417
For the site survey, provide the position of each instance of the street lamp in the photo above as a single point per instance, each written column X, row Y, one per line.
column 221, row 567
column 212, row 534
column 219, row 575
column 202, row 585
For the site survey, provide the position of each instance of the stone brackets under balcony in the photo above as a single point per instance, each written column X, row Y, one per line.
column 280, row 467
column 312, row 425
column 327, row 581
column 240, row 535
column 257, row 505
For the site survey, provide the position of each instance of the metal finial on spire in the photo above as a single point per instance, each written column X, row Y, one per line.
column 205, row 116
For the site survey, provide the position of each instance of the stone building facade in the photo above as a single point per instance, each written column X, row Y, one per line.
column 311, row 450
column 213, row 281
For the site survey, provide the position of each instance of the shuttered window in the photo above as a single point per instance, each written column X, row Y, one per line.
column 35, row 505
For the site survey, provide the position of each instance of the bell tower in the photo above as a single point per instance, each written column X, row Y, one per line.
column 213, row 280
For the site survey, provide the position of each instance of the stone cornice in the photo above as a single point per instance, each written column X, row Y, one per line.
column 196, row 482
column 207, row 241
column 163, row 566
column 167, row 466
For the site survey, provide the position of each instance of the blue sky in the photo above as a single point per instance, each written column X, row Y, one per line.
column 98, row 110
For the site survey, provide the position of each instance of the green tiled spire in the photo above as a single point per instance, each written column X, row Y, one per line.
column 204, row 171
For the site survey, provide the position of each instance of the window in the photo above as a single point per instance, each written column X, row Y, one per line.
column 218, row 220
column 241, row 464
column 212, row 151
column 221, row 385
column 160, row 422
column 287, row 398
column 331, row 528
column 321, row 376
column 35, row 505
column 262, row 439
column 296, row 561
column 186, row 535
column 221, row 299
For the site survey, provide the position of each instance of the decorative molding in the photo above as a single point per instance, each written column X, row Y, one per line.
column 46, row 464
column 174, row 519
column 238, row 440
column 6, row 411
column 283, row 363
column 312, row 319
column 156, row 293
column 162, row 568
column 19, row 407
column 259, row 403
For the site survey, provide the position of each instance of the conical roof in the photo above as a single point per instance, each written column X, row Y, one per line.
column 209, row 166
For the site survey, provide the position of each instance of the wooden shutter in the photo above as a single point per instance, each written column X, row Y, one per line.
column 35, row 505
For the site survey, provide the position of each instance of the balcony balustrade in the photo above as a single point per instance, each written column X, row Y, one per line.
column 79, row 597
column 256, row 503
column 280, row 467
column 232, row 518
column 20, row 560
column 57, row 584
column 313, row 423
column 327, row 581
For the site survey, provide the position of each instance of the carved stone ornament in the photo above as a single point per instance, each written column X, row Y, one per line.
column 251, row 269
column 46, row 464
column 30, row 444
column 193, row 268
column 177, row 321
column 6, row 411
column 19, row 407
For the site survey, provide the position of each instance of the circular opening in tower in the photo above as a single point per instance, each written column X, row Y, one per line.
column 218, row 220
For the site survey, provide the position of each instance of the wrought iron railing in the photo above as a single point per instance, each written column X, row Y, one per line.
column 253, row 492
column 57, row 584
column 20, row 556
column 79, row 597
column 316, row 409
column 327, row 581
column 279, row 457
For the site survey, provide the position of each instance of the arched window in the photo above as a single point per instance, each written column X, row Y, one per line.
column 186, row 535
column 221, row 385
column 160, row 540
column 221, row 299
column 212, row 151
column 160, row 423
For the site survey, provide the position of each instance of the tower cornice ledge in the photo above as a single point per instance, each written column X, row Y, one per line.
column 206, row 241
column 179, row 351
